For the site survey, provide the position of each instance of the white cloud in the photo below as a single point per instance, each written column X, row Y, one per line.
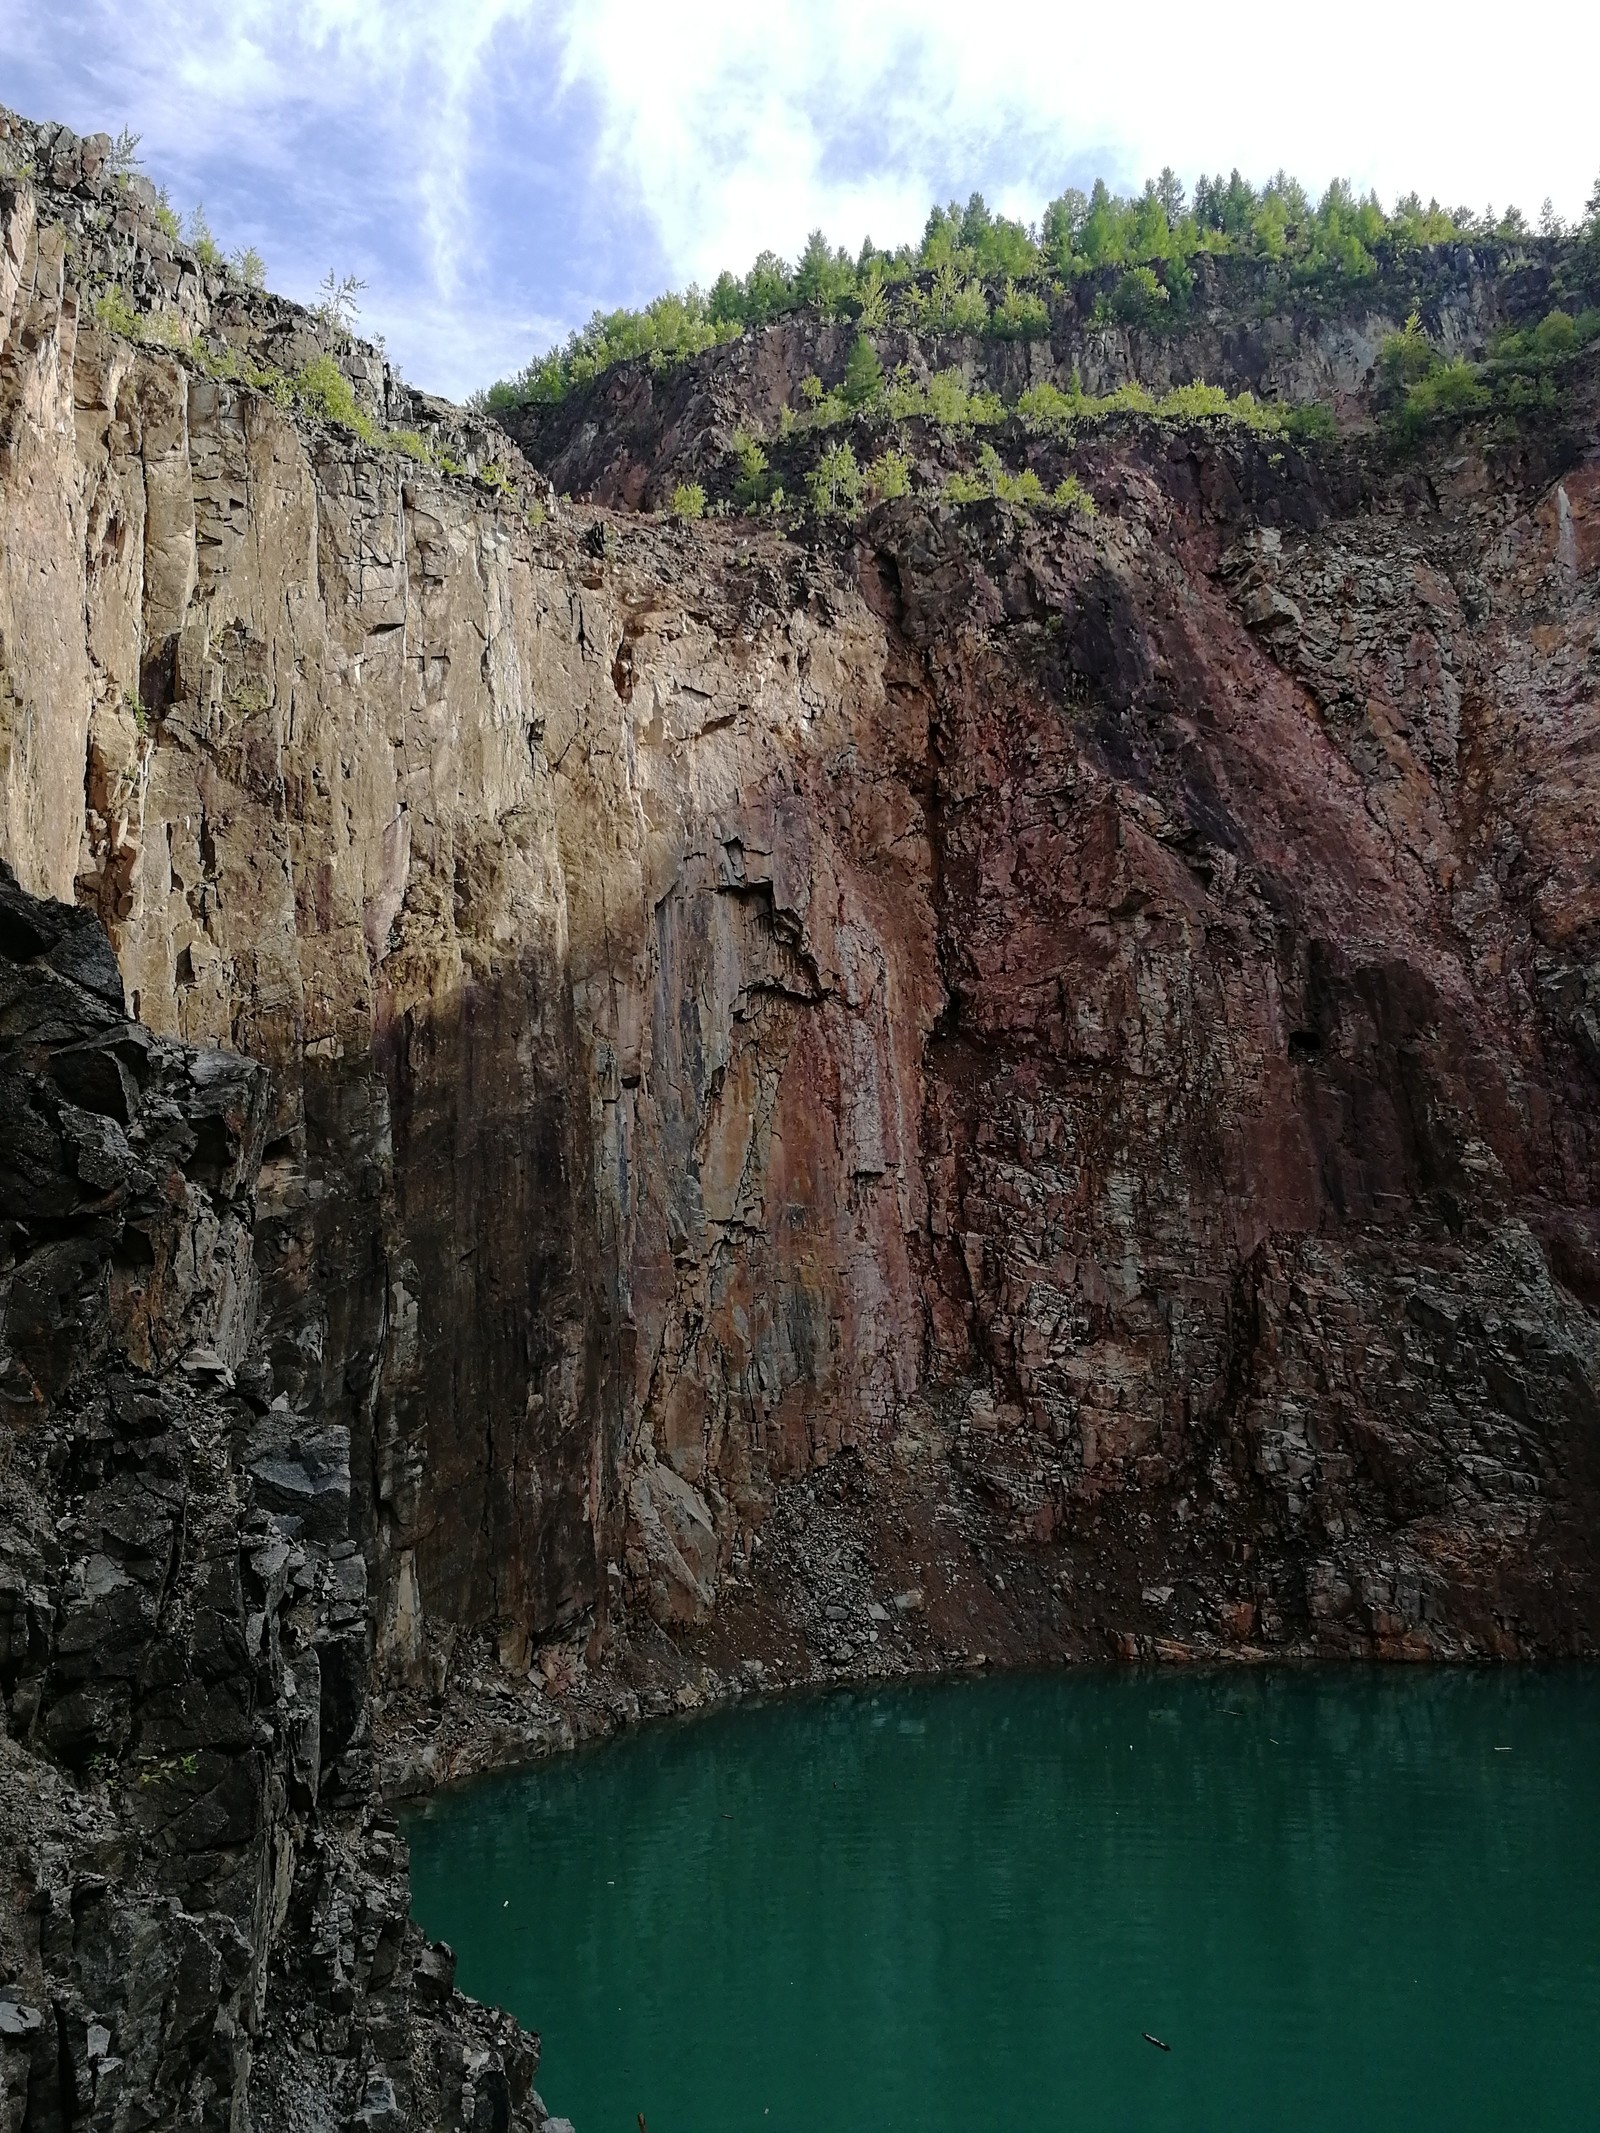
column 492, row 165
column 739, row 126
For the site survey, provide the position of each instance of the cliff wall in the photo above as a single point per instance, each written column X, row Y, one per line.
column 1113, row 994
column 732, row 1101
column 835, row 1096
column 207, row 1904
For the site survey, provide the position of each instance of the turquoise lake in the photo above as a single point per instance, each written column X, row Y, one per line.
column 1353, row 1900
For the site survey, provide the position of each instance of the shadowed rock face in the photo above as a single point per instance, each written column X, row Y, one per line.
column 203, row 1884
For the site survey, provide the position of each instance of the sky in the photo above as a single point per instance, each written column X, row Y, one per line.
column 495, row 170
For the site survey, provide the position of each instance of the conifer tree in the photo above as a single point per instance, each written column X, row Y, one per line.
column 863, row 373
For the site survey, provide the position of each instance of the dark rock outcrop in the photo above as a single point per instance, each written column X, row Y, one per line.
column 206, row 1918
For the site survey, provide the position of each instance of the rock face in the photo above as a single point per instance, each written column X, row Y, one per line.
column 1031, row 1080
column 208, row 1903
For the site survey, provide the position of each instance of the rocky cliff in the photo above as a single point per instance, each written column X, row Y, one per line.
column 768, row 1097
column 207, row 1911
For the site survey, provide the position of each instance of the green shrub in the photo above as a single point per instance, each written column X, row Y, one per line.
column 1045, row 406
column 863, row 374
column 1198, row 403
column 1404, row 358
column 323, row 390
column 946, row 400
column 889, row 475
column 1020, row 316
column 1448, row 393
column 113, row 311
column 991, row 479
column 951, row 304
column 1138, row 299
column 688, row 500
column 167, row 217
column 202, row 243
column 873, row 314
column 1555, row 335
column 167, row 329
column 250, row 267
column 961, row 488
column 752, row 483
column 1069, row 494
column 337, row 307
column 1311, row 423
column 835, row 483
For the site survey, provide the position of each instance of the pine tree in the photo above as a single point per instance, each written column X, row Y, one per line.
column 863, row 373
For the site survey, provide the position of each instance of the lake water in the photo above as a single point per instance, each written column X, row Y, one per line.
column 1353, row 1901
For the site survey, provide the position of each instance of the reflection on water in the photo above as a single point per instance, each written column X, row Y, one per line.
column 1347, row 1901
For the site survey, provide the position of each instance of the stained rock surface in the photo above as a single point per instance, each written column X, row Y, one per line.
column 712, row 1104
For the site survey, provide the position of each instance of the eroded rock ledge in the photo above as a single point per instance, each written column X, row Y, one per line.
column 736, row 1109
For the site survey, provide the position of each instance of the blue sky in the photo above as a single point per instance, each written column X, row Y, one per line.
column 496, row 169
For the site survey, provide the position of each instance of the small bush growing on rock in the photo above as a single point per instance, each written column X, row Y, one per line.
column 124, row 157
column 949, row 305
column 1449, row 392
column 167, row 217
column 990, row 480
column 323, row 389
column 113, row 311
column 863, row 374
column 1311, row 423
column 1139, row 299
column 337, row 307
column 835, row 483
column 202, row 242
column 946, row 400
column 1069, row 494
column 889, row 475
column 964, row 488
column 688, row 500
column 1408, row 356
column 1020, row 316
column 1045, row 406
column 250, row 267
column 167, row 329
column 1547, row 345
column 752, row 483
column 873, row 315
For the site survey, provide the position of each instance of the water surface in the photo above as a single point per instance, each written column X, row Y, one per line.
column 1345, row 1900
